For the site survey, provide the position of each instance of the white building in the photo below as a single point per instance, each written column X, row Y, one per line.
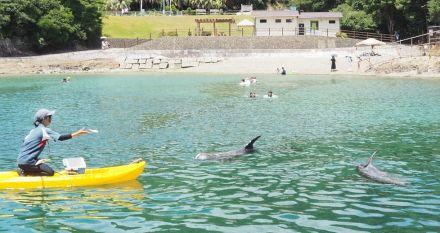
column 289, row 23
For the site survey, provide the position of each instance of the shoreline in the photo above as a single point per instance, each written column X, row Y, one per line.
column 296, row 62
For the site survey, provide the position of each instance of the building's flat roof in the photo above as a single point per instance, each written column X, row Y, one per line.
column 303, row 15
column 309, row 15
column 285, row 13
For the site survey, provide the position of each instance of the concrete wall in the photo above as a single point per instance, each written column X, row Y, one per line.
column 246, row 43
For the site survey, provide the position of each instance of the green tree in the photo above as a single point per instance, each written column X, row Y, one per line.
column 51, row 24
column 384, row 12
column 117, row 5
column 209, row 4
column 56, row 28
column 18, row 18
column 217, row 4
column 434, row 11
column 87, row 19
column 356, row 20
column 315, row 5
column 198, row 3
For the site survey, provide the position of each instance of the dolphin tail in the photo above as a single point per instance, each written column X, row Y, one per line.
column 370, row 160
column 250, row 145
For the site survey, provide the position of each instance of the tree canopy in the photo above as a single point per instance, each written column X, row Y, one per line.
column 52, row 24
column 434, row 11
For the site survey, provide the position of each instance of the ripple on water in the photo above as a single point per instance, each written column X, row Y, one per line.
column 376, row 208
column 333, row 226
column 353, row 212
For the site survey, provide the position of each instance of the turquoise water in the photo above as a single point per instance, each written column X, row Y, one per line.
column 302, row 178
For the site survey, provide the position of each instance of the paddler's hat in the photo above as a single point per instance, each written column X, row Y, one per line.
column 43, row 113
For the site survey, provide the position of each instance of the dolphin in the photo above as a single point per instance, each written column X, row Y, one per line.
column 370, row 171
column 228, row 154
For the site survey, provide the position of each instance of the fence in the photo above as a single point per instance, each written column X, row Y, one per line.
column 250, row 31
column 125, row 43
column 366, row 35
column 143, row 13
column 434, row 35
column 161, row 12
column 242, row 31
column 296, row 32
column 204, row 31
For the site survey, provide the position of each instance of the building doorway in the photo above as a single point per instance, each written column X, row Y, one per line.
column 301, row 29
column 314, row 25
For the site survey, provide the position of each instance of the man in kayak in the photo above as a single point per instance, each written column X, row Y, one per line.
column 34, row 143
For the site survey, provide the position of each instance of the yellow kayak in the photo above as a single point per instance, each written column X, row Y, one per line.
column 92, row 176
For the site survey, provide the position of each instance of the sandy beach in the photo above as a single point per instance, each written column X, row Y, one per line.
column 392, row 61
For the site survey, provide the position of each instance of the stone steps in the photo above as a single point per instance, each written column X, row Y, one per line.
column 140, row 62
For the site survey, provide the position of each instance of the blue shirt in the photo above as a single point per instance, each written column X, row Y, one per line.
column 34, row 144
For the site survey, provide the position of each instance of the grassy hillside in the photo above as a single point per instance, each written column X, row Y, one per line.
column 142, row 26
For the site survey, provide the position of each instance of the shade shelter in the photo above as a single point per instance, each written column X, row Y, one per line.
column 213, row 21
column 245, row 23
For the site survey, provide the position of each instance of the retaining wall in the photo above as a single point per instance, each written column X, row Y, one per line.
column 256, row 42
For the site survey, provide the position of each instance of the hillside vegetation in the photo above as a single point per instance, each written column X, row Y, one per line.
column 51, row 24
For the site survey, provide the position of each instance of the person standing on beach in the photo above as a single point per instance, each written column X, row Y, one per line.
column 333, row 67
column 34, row 143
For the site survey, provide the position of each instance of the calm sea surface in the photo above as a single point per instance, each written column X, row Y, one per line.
column 302, row 177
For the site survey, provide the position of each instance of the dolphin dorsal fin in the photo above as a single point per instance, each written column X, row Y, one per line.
column 370, row 160
column 250, row 145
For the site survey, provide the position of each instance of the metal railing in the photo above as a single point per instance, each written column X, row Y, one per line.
column 427, row 38
column 223, row 30
column 245, row 31
column 168, row 13
column 366, row 35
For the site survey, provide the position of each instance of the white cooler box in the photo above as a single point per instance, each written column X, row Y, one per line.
column 75, row 164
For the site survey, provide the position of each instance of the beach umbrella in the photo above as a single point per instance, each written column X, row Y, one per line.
column 245, row 23
column 370, row 42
